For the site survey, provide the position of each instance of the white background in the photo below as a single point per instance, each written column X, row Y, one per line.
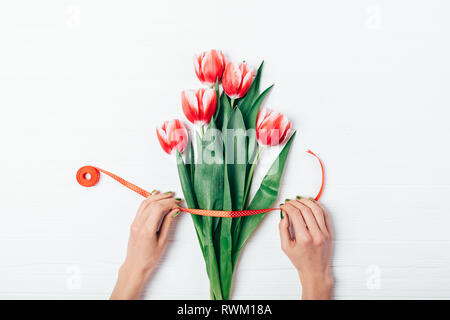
column 366, row 84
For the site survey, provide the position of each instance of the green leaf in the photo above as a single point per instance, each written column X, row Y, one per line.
column 208, row 175
column 226, row 265
column 252, row 113
column 264, row 197
column 225, row 111
column 235, row 142
column 250, row 123
column 211, row 264
column 225, row 116
column 247, row 101
column 226, row 272
column 208, row 186
column 226, row 250
column 190, row 158
column 227, row 202
column 234, row 187
column 186, row 184
column 189, row 196
column 216, row 88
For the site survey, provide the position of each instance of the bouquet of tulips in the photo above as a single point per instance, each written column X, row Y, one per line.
column 216, row 171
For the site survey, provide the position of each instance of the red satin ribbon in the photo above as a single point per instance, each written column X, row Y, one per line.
column 88, row 176
column 323, row 175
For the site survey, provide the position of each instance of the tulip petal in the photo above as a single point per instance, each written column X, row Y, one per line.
column 246, row 83
column 286, row 126
column 189, row 104
column 177, row 135
column 197, row 67
column 236, row 77
column 211, row 67
column 269, row 119
column 223, row 60
column 261, row 116
column 162, row 138
column 208, row 105
column 199, row 95
column 231, row 80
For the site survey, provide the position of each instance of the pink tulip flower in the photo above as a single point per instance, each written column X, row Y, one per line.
column 272, row 128
column 209, row 66
column 237, row 79
column 199, row 106
column 172, row 134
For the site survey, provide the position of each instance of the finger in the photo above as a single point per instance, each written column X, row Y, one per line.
column 285, row 235
column 158, row 196
column 165, row 227
column 295, row 219
column 317, row 212
column 156, row 211
column 155, row 196
column 327, row 219
column 308, row 217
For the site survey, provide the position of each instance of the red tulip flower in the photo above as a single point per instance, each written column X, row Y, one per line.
column 237, row 79
column 172, row 134
column 199, row 106
column 272, row 128
column 209, row 66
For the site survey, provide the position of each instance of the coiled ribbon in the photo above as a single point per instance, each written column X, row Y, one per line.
column 88, row 176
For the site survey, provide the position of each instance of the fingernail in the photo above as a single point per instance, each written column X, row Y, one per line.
column 177, row 213
column 178, row 199
column 168, row 192
column 312, row 199
column 281, row 215
column 286, row 200
column 298, row 197
column 154, row 190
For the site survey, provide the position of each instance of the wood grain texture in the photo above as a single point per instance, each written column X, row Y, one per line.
column 365, row 84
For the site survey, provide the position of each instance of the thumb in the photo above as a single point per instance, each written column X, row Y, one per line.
column 285, row 236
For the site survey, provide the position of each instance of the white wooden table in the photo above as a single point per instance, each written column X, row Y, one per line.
column 366, row 83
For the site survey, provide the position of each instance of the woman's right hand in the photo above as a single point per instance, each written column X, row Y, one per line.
column 310, row 246
column 148, row 238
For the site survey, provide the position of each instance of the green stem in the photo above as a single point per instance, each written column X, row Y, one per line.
column 232, row 103
column 212, row 267
column 250, row 176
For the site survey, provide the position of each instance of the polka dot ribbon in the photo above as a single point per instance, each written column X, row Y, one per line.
column 88, row 176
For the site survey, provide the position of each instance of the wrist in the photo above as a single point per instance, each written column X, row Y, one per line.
column 316, row 286
column 130, row 282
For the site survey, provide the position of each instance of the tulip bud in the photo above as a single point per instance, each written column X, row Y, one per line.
column 172, row 134
column 199, row 106
column 237, row 79
column 272, row 128
column 209, row 66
